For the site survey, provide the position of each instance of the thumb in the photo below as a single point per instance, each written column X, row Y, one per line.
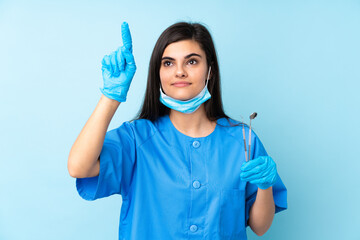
column 130, row 62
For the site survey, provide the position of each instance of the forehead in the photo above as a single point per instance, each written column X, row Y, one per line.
column 182, row 48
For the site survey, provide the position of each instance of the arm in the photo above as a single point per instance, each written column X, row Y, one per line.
column 83, row 159
column 262, row 172
column 262, row 211
column 118, row 70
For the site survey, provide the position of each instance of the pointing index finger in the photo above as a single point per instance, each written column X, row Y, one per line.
column 126, row 36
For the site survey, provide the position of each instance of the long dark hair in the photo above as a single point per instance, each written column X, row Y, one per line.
column 152, row 108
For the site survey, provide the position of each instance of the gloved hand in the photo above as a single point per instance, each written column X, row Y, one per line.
column 119, row 68
column 260, row 171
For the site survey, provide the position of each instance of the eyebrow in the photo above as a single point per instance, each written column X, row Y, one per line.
column 186, row 57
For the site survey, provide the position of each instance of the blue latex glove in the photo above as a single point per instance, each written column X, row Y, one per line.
column 118, row 68
column 260, row 171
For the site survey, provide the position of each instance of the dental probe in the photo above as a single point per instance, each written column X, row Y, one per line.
column 252, row 116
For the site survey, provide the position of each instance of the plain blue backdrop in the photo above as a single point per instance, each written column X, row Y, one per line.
column 296, row 63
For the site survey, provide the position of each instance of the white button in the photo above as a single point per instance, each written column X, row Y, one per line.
column 193, row 228
column 196, row 144
column 196, row 184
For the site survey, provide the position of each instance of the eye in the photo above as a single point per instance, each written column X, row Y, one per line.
column 192, row 61
column 166, row 63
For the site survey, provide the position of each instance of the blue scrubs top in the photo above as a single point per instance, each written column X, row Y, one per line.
column 178, row 187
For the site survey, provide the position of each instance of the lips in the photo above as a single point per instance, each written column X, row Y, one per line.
column 181, row 84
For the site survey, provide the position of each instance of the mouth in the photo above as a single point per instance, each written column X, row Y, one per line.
column 181, row 84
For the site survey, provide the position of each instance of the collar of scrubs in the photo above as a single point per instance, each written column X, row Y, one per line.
column 170, row 125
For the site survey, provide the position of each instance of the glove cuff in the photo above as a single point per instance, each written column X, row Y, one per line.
column 112, row 96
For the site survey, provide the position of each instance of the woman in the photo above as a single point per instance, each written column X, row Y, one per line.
column 180, row 165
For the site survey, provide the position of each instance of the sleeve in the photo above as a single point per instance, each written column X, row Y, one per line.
column 279, row 189
column 117, row 160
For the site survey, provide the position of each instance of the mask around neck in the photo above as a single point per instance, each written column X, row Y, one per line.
column 187, row 106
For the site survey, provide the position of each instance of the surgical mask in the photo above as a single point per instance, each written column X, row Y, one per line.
column 187, row 106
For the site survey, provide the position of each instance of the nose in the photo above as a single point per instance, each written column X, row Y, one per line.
column 180, row 72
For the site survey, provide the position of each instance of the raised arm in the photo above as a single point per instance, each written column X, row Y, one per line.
column 118, row 70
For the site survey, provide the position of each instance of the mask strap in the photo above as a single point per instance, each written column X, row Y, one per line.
column 208, row 76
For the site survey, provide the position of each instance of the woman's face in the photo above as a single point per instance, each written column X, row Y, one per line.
column 183, row 69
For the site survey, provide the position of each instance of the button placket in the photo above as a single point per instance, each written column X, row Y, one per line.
column 199, row 193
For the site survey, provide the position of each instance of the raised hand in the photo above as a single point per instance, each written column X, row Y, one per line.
column 118, row 68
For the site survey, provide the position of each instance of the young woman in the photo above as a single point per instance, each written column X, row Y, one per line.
column 180, row 165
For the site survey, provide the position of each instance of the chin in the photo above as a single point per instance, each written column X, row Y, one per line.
column 182, row 97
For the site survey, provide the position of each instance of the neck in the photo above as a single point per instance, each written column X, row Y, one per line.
column 195, row 124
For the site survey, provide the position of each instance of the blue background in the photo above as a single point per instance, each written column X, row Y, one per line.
column 296, row 63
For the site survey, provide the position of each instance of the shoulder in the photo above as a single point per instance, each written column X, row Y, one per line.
column 235, row 128
column 136, row 131
column 231, row 125
column 142, row 129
